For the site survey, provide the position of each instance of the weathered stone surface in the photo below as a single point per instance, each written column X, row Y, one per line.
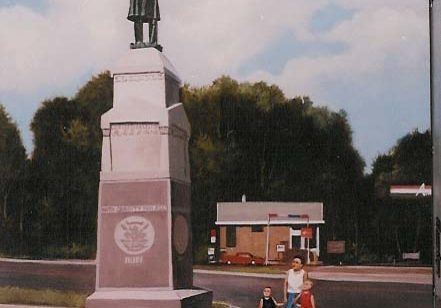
column 144, row 254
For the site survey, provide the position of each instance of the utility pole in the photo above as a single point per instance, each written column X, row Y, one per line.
column 435, row 100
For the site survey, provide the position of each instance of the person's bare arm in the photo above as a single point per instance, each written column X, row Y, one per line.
column 261, row 303
column 285, row 288
column 305, row 276
column 276, row 303
column 312, row 301
column 297, row 298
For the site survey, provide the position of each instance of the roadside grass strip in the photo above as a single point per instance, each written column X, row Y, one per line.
column 20, row 296
column 220, row 305
column 244, row 269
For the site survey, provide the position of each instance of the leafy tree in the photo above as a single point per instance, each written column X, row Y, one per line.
column 66, row 164
column 398, row 224
column 12, row 168
column 249, row 139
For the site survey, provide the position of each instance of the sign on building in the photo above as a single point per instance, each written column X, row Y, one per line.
column 336, row 247
column 213, row 236
column 422, row 190
column 306, row 232
column 280, row 248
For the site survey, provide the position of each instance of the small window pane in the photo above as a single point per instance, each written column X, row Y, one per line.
column 231, row 236
column 257, row 228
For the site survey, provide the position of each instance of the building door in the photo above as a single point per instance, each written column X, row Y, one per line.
column 296, row 240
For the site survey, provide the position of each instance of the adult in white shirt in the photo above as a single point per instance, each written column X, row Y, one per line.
column 294, row 279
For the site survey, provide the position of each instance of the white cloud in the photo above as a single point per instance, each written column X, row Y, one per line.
column 207, row 38
column 387, row 51
column 374, row 40
column 51, row 48
column 204, row 38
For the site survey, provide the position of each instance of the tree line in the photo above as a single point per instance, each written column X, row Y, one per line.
column 247, row 138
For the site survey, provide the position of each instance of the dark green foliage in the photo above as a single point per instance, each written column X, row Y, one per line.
column 400, row 225
column 247, row 138
column 12, row 174
column 250, row 139
column 65, row 169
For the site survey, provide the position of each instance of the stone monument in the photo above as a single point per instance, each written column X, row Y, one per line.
column 144, row 256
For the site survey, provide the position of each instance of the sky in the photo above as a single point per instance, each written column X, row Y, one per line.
column 369, row 58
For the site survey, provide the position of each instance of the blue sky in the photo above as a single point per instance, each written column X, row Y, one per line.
column 36, row 5
column 370, row 58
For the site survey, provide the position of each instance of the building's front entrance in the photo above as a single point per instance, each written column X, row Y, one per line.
column 299, row 242
column 296, row 239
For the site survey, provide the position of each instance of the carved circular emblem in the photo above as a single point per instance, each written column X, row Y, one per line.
column 134, row 235
column 180, row 234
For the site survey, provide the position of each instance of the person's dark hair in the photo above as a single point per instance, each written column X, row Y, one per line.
column 268, row 288
column 299, row 257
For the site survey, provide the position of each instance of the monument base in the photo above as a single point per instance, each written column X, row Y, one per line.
column 187, row 298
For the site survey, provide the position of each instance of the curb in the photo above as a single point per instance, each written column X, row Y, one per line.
column 25, row 306
column 55, row 262
column 225, row 273
column 410, row 278
column 423, row 279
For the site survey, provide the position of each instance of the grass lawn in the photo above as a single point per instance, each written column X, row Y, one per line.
column 12, row 295
column 271, row 269
column 19, row 296
column 220, row 305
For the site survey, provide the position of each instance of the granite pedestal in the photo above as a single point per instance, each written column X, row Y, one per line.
column 144, row 256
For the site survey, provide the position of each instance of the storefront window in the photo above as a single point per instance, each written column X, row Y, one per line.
column 231, row 236
column 313, row 241
column 256, row 228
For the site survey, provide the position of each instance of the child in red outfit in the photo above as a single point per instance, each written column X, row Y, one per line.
column 306, row 298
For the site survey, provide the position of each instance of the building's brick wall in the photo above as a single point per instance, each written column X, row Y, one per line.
column 255, row 242
column 222, row 237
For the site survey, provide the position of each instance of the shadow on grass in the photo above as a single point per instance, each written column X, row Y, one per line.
column 19, row 296
column 13, row 295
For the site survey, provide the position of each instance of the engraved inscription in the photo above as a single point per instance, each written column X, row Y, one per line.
column 106, row 132
column 139, row 77
column 173, row 131
column 134, row 129
column 115, row 209
column 133, row 260
column 134, row 235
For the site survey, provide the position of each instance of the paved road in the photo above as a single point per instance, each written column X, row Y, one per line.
column 240, row 291
column 245, row 291
column 52, row 275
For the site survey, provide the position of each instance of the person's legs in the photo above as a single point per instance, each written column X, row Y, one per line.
column 153, row 32
column 290, row 302
column 295, row 296
column 138, row 32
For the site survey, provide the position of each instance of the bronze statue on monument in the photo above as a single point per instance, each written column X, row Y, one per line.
column 140, row 12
